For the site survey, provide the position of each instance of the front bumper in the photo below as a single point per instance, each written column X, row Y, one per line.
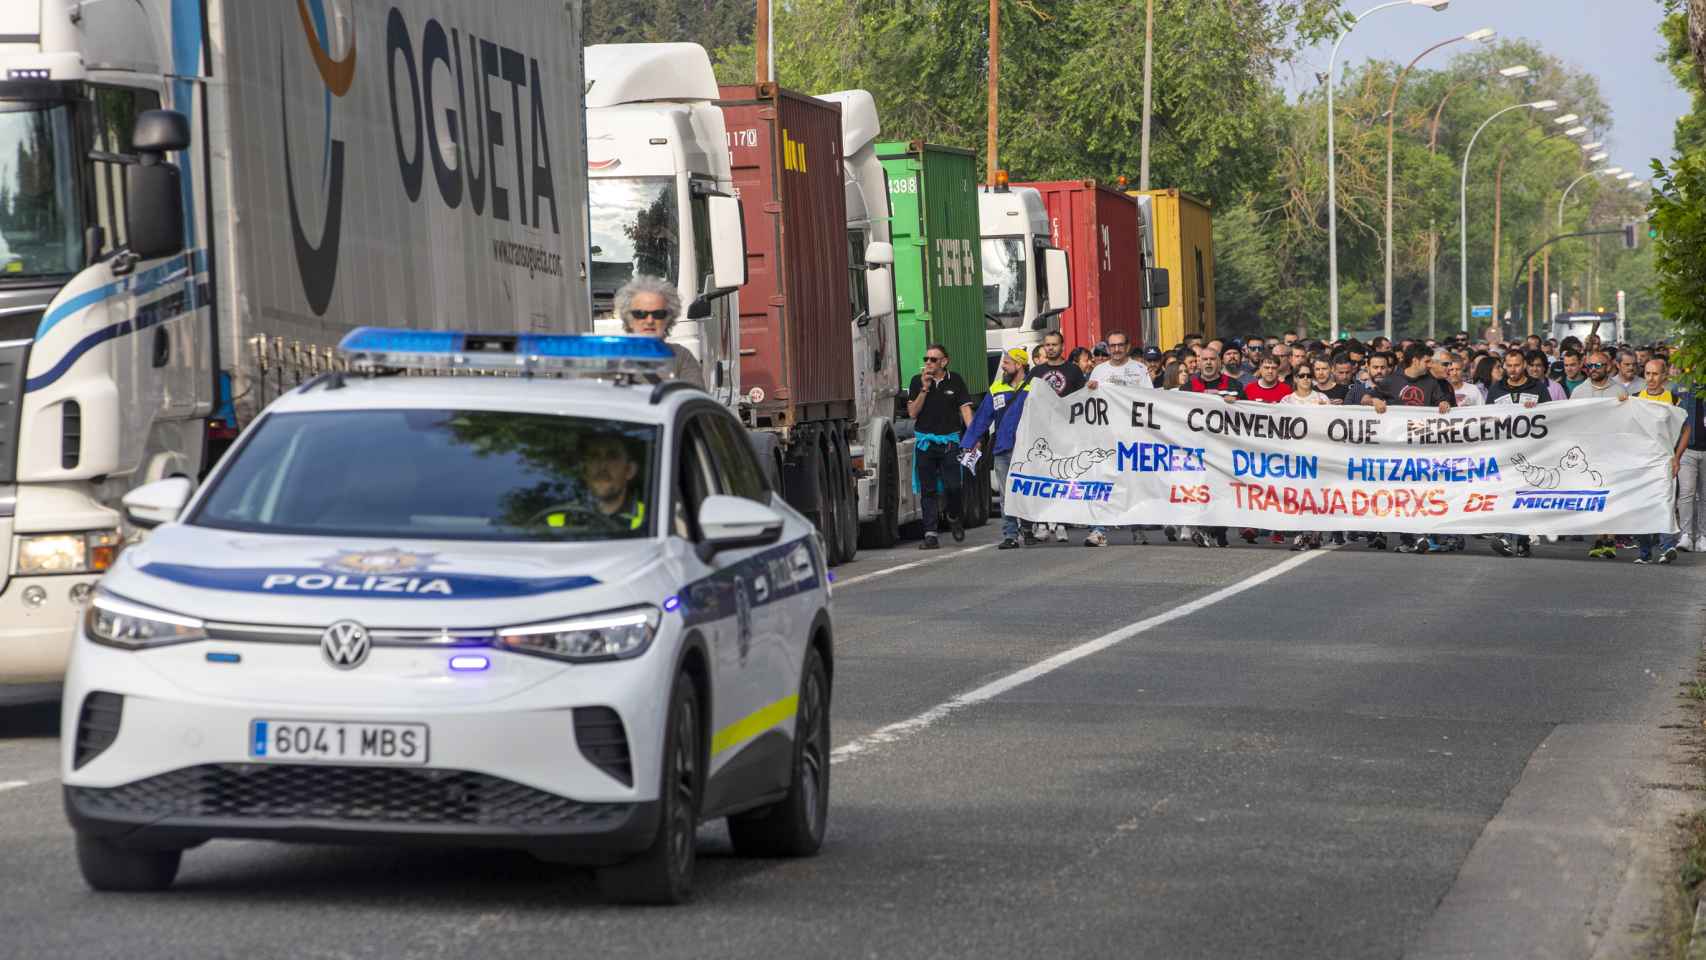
column 315, row 803
column 35, row 642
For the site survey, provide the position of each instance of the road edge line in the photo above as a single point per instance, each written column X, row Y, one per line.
column 874, row 574
column 882, row 736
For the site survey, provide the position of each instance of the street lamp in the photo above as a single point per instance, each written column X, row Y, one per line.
column 1611, row 170
column 1482, row 35
column 1597, row 157
column 1576, row 131
column 1567, row 118
column 1463, row 208
column 1588, row 147
column 1626, row 175
column 1332, row 160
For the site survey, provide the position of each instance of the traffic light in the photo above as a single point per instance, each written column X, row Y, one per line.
column 1630, row 238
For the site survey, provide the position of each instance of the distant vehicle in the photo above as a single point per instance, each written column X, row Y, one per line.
column 1027, row 281
column 1098, row 227
column 1178, row 236
column 1609, row 326
column 566, row 616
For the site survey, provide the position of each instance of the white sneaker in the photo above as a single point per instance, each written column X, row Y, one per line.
column 1095, row 540
column 1060, row 533
column 1685, row 545
column 1700, row 545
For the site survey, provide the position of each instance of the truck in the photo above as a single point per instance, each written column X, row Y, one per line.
column 938, row 274
column 883, row 442
column 1178, row 233
column 1098, row 228
column 796, row 353
column 1609, row 326
column 1027, row 280
column 200, row 197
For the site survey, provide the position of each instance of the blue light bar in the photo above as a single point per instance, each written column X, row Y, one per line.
column 465, row 663
column 515, row 352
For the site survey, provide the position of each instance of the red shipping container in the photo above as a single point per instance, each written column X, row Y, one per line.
column 1098, row 228
column 796, row 341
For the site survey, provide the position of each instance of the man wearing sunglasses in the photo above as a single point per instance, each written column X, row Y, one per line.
column 1600, row 384
column 648, row 307
column 940, row 407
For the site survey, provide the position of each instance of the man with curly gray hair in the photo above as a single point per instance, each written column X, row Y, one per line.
column 648, row 307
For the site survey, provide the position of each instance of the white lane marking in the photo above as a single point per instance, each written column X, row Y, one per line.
column 883, row 736
column 874, row 574
column 12, row 784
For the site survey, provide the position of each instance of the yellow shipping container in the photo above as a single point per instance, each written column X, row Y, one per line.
column 1179, row 236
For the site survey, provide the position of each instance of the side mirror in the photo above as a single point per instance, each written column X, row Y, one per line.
column 728, row 243
column 160, row 131
column 154, row 221
column 879, row 292
column 1157, row 283
column 879, row 253
column 699, row 309
column 731, row 523
column 1059, row 279
column 159, row 502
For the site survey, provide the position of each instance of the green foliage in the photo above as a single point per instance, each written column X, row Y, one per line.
column 1679, row 255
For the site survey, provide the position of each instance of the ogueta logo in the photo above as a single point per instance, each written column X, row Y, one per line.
column 317, row 263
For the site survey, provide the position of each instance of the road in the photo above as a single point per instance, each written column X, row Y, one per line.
column 1152, row 751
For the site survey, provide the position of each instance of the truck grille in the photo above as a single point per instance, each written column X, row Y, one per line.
column 14, row 358
column 379, row 795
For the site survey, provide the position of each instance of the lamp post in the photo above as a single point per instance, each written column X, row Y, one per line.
column 1513, row 72
column 1482, row 35
column 1332, row 161
column 1499, row 196
column 1463, row 209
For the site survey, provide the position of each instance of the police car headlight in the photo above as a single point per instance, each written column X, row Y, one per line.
column 132, row 626
column 615, row 635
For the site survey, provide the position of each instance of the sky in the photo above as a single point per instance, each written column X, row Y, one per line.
column 1617, row 40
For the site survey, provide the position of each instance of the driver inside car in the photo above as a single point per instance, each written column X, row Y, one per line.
column 609, row 469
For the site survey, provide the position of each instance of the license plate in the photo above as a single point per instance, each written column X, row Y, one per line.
column 335, row 742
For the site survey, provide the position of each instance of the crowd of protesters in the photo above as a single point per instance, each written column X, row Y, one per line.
column 1289, row 369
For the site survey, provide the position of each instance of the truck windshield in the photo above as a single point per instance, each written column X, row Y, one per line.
column 635, row 229
column 440, row 475
column 1003, row 282
column 40, row 235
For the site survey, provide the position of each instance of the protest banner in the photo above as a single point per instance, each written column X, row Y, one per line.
column 1120, row 456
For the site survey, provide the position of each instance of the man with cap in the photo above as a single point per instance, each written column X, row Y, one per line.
column 1157, row 364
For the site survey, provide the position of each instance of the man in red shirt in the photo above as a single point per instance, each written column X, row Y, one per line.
column 1267, row 387
column 1210, row 379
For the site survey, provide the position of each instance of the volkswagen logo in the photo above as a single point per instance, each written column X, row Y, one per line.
column 345, row 644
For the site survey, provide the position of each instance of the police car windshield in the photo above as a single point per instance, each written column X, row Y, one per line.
column 439, row 475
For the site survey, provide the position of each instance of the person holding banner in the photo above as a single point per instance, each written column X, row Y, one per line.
column 1516, row 388
column 1122, row 370
column 1656, row 390
column 940, row 406
column 1210, row 379
column 1001, row 409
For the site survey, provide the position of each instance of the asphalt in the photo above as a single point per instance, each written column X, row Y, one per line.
column 1363, row 755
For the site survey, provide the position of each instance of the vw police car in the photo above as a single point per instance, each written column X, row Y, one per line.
column 566, row 614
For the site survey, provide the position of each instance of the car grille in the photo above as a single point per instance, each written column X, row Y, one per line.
column 380, row 795
column 97, row 726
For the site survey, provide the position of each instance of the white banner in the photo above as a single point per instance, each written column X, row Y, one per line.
column 1123, row 455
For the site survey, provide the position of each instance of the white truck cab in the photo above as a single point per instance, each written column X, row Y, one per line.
column 1026, row 283
column 661, row 196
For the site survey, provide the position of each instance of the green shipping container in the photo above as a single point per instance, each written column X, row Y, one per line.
column 938, row 272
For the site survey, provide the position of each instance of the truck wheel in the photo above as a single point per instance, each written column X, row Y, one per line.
column 663, row 873
column 794, row 826
column 847, row 500
column 109, row 867
column 827, row 515
column 882, row 532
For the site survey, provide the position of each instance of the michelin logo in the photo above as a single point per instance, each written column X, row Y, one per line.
column 1566, row 501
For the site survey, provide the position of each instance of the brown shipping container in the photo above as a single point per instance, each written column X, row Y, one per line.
column 796, row 346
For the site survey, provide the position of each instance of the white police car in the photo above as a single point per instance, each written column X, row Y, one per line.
column 564, row 615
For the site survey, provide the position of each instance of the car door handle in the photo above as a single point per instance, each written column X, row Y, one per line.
column 162, row 347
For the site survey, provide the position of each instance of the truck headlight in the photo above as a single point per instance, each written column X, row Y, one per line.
column 52, row 553
column 117, row 622
column 614, row 635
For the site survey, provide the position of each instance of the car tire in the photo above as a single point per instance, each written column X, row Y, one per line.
column 663, row 873
column 109, row 867
column 794, row 826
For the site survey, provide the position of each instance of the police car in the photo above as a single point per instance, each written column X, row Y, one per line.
column 565, row 614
